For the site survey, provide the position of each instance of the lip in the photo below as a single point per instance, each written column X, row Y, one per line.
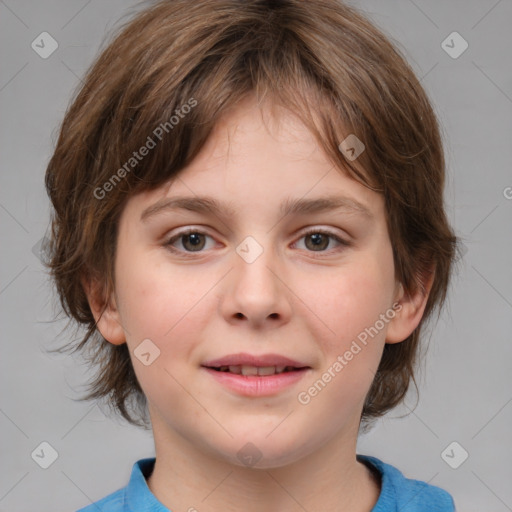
column 254, row 360
column 256, row 385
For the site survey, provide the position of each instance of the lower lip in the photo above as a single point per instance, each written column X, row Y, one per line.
column 256, row 385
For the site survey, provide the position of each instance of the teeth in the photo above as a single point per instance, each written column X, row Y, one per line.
column 249, row 370
column 255, row 370
column 267, row 370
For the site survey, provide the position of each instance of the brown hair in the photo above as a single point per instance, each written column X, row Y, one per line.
column 322, row 60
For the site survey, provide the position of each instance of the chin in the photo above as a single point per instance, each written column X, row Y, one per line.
column 261, row 452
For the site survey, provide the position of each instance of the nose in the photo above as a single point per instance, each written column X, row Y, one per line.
column 256, row 292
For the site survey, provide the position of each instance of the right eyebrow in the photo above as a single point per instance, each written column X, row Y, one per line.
column 194, row 204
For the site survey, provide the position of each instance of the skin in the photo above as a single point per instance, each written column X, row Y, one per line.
column 292, row 300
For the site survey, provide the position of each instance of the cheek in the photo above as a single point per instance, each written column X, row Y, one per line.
column 163, row 304
column 167, row 309
column 350, row 301
column 351, row 353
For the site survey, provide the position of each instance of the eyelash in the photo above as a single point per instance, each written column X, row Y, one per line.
column 168, row 244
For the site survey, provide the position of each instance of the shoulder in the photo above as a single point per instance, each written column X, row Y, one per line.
column 400, row 493
column 134, row 496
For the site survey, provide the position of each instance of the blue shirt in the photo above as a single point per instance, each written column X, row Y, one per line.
column 398, row 494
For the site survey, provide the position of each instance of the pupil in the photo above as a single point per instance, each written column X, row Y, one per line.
column 194, row 239
column 317, row 239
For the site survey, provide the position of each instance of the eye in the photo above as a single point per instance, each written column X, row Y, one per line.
column 192, row 240
column 317, row 240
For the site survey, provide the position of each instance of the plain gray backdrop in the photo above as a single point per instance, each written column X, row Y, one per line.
column 465, row 384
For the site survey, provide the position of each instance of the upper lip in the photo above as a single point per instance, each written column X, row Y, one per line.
column 264, row 360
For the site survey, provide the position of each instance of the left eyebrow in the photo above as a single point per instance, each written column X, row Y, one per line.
column 323, row 204
column 209, row 205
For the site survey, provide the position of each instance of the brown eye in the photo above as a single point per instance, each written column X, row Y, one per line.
column 188, row 241
column 319, row 240
column 193, row 241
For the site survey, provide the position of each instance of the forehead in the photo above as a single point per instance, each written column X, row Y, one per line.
column 265, row 132
column 259, row 156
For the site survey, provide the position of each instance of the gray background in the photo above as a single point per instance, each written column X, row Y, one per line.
column 465, row 383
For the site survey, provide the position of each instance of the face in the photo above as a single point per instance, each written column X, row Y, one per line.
column 256, row 283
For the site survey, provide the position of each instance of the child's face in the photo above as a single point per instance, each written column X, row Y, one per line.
column 212, row 300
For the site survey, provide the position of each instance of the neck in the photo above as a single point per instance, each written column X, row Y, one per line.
column 330, row 479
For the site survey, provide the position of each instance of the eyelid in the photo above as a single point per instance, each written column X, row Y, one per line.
column 315, row 229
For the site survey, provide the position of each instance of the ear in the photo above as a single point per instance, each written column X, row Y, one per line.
column 104, row 310
column 409, row 310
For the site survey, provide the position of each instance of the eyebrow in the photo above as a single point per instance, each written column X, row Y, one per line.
column 209, row 205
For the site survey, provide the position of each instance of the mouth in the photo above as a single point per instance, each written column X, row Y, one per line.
column 251, row 364
column 261, row 371
column 256, row 375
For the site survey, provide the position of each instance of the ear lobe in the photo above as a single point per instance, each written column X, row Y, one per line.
column 409, row 312
column 105, row 311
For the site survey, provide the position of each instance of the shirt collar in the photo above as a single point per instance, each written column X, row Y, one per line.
column 387, row 496
column 141, row 499
column 138, row 495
